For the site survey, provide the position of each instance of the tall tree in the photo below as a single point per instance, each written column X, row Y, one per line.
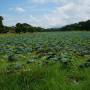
column 1, row 24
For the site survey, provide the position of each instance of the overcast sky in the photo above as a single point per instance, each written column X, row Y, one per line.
column 45, row 13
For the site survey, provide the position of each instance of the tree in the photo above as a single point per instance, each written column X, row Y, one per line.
column 1, row 24
column 25, row 27
column 18, row 28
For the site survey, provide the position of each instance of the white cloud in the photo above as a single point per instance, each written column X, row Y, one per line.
column 65, row 12
column 18, row 9
column 45, row 1
column 52, row 1
column 71, row 12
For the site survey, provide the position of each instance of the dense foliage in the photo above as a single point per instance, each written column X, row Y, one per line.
column 81, row 26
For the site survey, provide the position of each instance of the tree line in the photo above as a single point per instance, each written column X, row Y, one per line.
column 81, row 26
column 24, row 27
column 18, row 28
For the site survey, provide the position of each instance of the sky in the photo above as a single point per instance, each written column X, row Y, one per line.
column 44, row 13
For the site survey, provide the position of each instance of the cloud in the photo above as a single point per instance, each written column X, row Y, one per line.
column 18, row 9
column 53, row 1
column 61, row 12
column 70, row 12
column 45, row 1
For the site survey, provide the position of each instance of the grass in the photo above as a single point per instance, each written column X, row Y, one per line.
column 48, row 77
column 44, row 73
